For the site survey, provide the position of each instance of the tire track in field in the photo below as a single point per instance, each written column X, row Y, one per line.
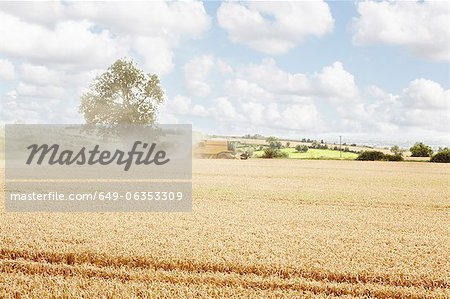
column 102, row 261
column 215, row 279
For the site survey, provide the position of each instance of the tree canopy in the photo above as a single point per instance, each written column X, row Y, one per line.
column 420, row 150
column 122, row 95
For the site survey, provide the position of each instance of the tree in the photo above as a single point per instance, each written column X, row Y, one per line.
column 370, row 156
column 270, row 153
column 315, row 144
column 441, row 157
column 301, row 148
column 420, row 150
column 396, row 150
column 288, row 144
column 273, row 142
column 123, row 94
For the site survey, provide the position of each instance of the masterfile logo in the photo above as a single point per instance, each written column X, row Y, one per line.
column 131, row 168
column 95, row 156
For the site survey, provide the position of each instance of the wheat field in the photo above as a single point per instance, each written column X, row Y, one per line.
column 258, row 229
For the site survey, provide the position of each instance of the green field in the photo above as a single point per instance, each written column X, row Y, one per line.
column 314, row 154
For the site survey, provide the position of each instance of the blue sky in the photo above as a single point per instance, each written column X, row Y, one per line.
column 366, row 70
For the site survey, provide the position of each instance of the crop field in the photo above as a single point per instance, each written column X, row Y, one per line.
column 315, row 154
column 259, row 229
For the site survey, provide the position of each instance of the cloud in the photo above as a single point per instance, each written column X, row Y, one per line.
column 274, row 27
column 223, row 109
column 337, row 83
column 39, row 74
column 422, row 105
column 60, row 47
column 17, row 107
column 68, row 43
column 274, row 79
column 156, row 54
column 196, row 72
column 171, row 20
column 92, row 35
column 245, row 90
column 181, row 104
column 265, row 98
column 427, row 94
column 420, row 27
column 7, row 70
column 41, row 91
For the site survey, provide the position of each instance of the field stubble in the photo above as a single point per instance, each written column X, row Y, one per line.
column 259, row 228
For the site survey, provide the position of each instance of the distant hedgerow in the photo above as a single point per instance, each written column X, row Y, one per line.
column 378, row 156
column 441, row 157
column 270, row 153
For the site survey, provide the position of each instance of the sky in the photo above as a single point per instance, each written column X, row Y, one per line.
column 373, row 72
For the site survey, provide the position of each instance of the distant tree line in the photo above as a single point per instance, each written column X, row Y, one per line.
column 255, row 136
column 419, row 149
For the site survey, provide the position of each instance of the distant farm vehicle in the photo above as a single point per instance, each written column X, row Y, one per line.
column 219, row 149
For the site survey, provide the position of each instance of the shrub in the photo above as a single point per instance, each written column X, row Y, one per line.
column 420, row 150
column 393, row 157
column 315, row 144
column 270, row 153
column 378, row 156
column 301, row 148
column 396, row 150
column 443, row 149
column 273, row 142
column 441, row 157
column 370, row 156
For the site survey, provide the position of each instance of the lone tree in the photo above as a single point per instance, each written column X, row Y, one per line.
column 420, row 150
column 123, row 95
column 273, row 142
column 301, row 148
column 396, row 150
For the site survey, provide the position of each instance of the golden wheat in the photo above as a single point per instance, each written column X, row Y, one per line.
column 259, row 228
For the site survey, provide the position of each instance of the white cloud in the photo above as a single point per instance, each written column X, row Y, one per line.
column 171, row 20
column 224, row 68
column 39, row 74
column 423, row 105
column 274, row 27
column 17, row 107
column 247, row 90
column 41, row 91
column 255, row 113
column 68, row 43
column 223, row 109
column 7, row 70
column 61, row 46
column 421, row 27
column 337, row 83
column 199, row 110
column 88, row 34
column 300, row 117
column 274, row 79
column 156, row 53
column 181, row 104
column 427, row 94
column 196, row 72
column 265, row 98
